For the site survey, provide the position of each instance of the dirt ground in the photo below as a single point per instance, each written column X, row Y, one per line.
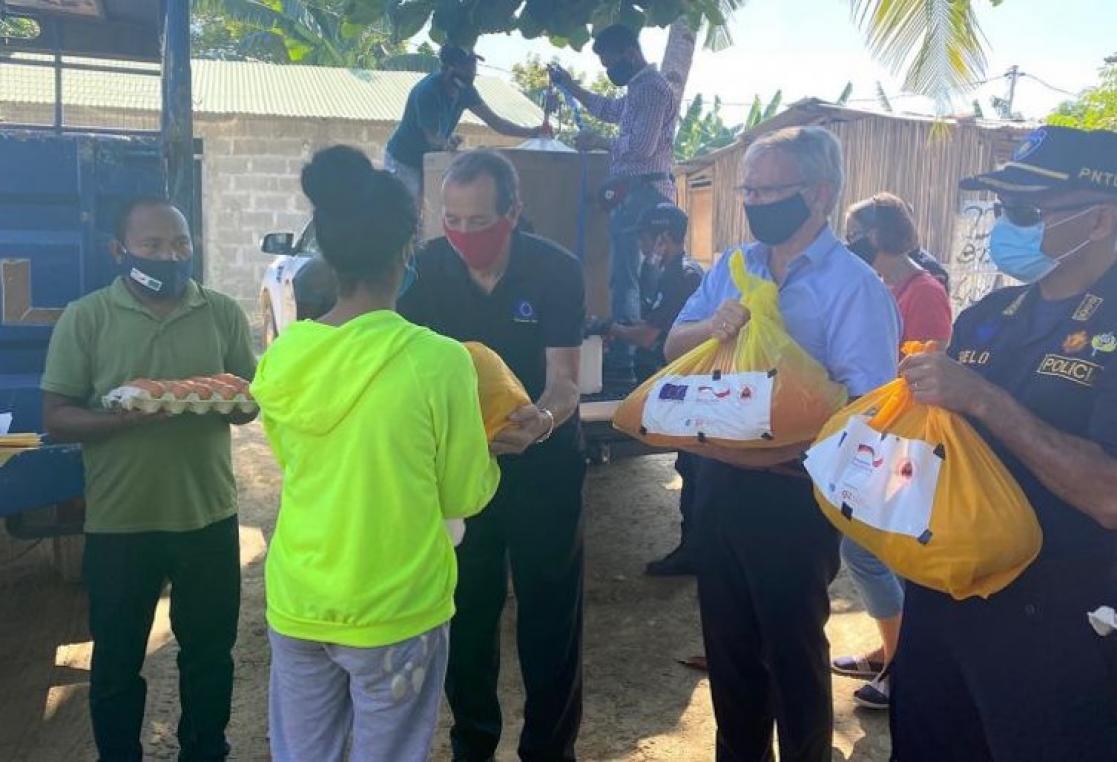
column 639, row 705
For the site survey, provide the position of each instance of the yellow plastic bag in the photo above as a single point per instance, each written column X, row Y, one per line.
column 500, row 391
column 921, row 490
column 762, row 391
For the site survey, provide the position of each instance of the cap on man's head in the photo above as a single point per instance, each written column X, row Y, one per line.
column 663, row 218
column 1056, row 158
column 615, row 39
column 452, row 55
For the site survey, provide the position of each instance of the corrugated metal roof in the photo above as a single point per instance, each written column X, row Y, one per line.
column 809, row 110
column 261, row 89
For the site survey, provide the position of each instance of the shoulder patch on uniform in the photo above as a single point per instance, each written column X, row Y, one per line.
column 1014, row 306
column 1087, row 307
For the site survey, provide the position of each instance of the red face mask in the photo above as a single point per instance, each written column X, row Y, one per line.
column 480, row 248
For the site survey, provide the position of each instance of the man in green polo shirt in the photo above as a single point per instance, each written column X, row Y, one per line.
column 161, row 500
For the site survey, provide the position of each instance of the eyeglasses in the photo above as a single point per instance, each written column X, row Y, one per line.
column 767, row 191
column 1026, row 215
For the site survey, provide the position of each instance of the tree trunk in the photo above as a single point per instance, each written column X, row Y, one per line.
column 679, row 55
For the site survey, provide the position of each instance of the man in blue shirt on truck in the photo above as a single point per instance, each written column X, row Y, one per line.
column 434, row 108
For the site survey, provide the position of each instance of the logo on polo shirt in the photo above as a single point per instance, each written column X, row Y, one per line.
column 524, row 312
column 1081, row 372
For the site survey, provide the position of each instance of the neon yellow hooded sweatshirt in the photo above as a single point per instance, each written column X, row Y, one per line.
column 377, row 427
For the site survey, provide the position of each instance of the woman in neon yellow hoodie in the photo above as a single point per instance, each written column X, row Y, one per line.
column 377, row 427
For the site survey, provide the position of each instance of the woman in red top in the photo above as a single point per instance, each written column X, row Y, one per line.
column 881, row 231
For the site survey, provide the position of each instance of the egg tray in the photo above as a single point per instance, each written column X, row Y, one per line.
column 130, row 398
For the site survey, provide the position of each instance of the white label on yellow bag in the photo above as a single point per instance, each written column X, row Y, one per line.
column 735, row 406
column 886, row 481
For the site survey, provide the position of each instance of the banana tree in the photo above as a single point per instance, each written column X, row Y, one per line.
column 310, row 32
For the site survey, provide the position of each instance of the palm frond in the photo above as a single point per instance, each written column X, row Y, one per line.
column 847, row 91
column 717, row 14
column 938, row 45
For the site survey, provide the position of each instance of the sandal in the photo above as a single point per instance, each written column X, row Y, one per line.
column 862, row 667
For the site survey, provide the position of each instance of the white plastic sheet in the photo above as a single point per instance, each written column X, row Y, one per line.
column 545, row 144
column 885, row 481
column 735, row 406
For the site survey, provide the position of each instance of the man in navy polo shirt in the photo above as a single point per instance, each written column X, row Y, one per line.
column 522, row 296
column 1022, row 675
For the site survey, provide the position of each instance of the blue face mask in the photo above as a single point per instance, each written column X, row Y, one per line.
column 160, row 278
column 410, row 275
column 1017, row 251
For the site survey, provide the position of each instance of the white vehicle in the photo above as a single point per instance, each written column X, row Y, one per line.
column 280, row 303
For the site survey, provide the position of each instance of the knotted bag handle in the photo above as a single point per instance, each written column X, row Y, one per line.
column 900, row 397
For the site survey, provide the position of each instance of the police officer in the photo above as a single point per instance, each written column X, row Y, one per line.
column 1021, row 675
column 661, row 231
column 522, row 296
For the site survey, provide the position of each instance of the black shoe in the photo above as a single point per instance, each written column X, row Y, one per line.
column 677, row 563
column 875, row 694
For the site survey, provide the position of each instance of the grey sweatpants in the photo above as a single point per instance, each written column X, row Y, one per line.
column 387, row 697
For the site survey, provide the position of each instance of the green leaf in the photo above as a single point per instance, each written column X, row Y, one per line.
column 663, row 12
column 493, row 15
column 411, row 62
column 755, row 113
column 631, row 17
column 773, row 106
column 579, row 37
column 409, row 18
column 350, row 30
column 366, row 12
column 529, row 27
column 847, row 91
column 605, row 14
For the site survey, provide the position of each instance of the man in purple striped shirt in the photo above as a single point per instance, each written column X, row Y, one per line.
column 640, row 175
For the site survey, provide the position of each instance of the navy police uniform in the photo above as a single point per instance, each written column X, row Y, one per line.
column 672, row 286
column 1022, row 675
column 534, row 523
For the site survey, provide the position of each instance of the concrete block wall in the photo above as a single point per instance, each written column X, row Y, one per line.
column 250, row 187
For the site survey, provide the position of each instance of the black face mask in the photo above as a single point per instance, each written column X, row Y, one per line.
column 775, row 223
column 159, row 278
column 621, row 73
column 864, row 248
column 461, row 82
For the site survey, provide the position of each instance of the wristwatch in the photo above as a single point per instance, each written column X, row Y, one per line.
column 550, row 427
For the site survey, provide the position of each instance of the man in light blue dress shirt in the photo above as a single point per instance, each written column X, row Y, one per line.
column 767, row 553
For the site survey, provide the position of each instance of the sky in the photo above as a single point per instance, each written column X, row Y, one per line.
column 812, row 48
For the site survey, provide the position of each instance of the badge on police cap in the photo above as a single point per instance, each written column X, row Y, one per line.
column 1030, row 145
